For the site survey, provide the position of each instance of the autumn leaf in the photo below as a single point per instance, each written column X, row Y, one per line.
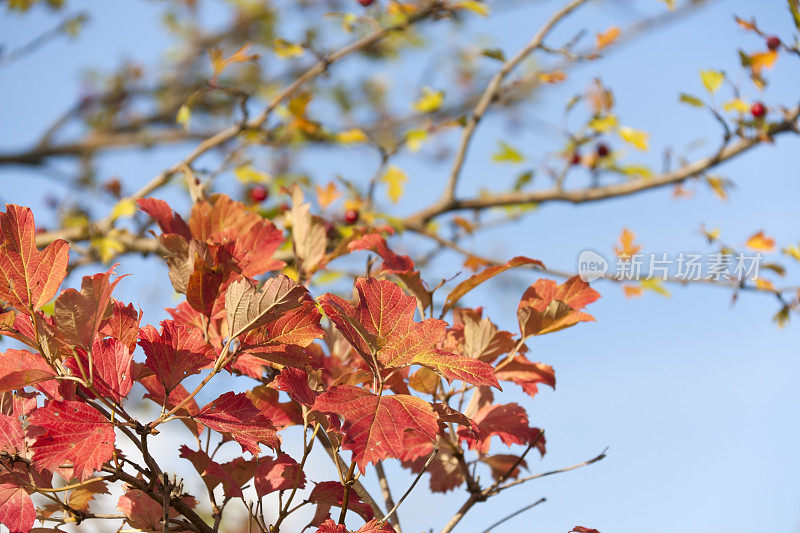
column 175, row 352
column 760, row 242
column 430, row 100
column 329, row 494
column 375, row 427
column 211, row 472
column 509, row 422
column 17, row 512
column 79, row 315
column 473, row 281
column 327, row 195
column 248, row 307
column 112, row 376
column 236, row 415
column 762, row 60
column 639, row 139
column 81, row 497
column 295, row 383
column 29, row 278
column 280, row 473
column 20, row 368
column 507, row 154
column 465, row 369
column 308, row 234
column 141, row 511
column 546, row 307
column 525, row 373
column 627, row 245
column 71, row 432
column 607, row 37
column 712, row 79
column 395, row 179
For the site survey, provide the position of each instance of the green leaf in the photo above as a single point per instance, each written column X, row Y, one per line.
column 494, row 53
column 794, row 9
column 691, row 100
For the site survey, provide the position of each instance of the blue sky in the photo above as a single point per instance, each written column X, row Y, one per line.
column 697, row 400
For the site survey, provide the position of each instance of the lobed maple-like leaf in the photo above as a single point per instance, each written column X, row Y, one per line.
column 82, row 497
column 249, row 307
column 141, row 511
column 470, row 283
column 123, row 324
column 329, row 494
column 452, row 367
column 280, row 473
column 295, row 383
column 29, row 278
column 373, row 526
column 168, row 220
column 507, row 421
column 281, row 414
column 211, row 472
column 546, row 307
column 175, row 352
column 79, row 315
column 525, row 373
column 156, row 393
column 71, row 432
column 445, row 470
column 17, row 512
column 113, row 372
column 501, row 463
column 376, row 427
column 235, row 414
column 477, row 337
column 20, row 368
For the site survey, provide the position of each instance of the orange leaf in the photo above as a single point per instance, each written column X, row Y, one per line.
column 627, row 247
column 761, row 242
column 607, row 37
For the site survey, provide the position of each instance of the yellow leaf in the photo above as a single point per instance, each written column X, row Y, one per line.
column 737, row 104
column 670, row 4
column 557, row 76
column 430, row 100
column 184, row 116
column 107, row 247
column 718, row 186
column 655, row 285
column 351, row 136
column 465, row 224
column 478, row 7
column 712, row 79
column 603, row 123
column 762, row 60
column 507, row 154
column 627, row 247
column 415, row 138
column 124, row 208
column 793, row 251
column 764, row 284
column 607, row 37
column 395, row 179
column 637, row 138
column 291, row 272
column 761, row 242
column 284, row 49
column 327, row 195
column 247, row 175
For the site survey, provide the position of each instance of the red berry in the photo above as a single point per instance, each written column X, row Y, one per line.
column 350, row 217
column 602, row 150
column 758, row 110
column 773, row 42
column 258, row 194
column 366, row 3
column 576, row 158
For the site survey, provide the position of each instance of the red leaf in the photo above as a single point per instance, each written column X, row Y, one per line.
column 176, row 352
column 112, row 375
column 71, row 432
column 165, row 217
column 17, row 512
column 281, row 414
column 582, row 529
column 500, row 464
column 526, row 373
column 385, row 316
column 79, row 315
column 295, row 383
column 28, row 278
column 331, row 494
column 141, row 510
column 546, row 307
column 20, row 368
column 156, row 392
column 235, row 414
column 329, row 526
column 509, row 422
column 452, row 367
column 212, row 473
column 281, row 473
column 473, row 281
column 375, row 427
column 375, row 526
column 123, row 324
column 477, row 337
